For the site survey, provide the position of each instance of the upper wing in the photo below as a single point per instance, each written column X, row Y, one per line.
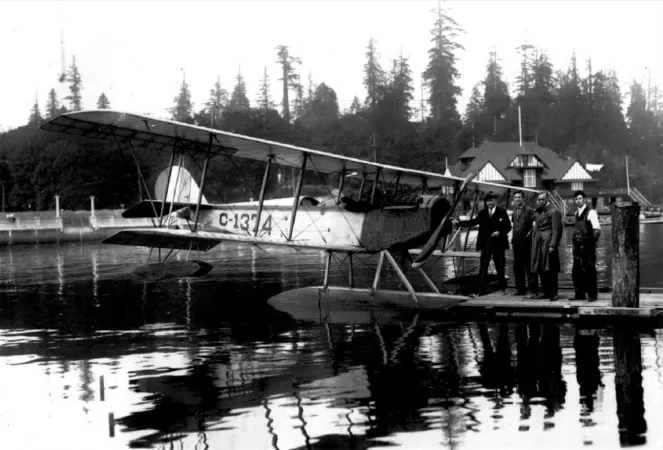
column 144, row 131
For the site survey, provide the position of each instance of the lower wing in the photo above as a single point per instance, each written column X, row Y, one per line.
column 205, row 240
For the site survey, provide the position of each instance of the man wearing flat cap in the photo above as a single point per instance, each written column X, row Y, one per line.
column 494, row 226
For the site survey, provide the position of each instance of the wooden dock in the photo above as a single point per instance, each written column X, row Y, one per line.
column 651, row 306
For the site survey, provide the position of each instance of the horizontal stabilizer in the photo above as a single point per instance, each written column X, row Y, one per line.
column 152, row 208
column 159, row 238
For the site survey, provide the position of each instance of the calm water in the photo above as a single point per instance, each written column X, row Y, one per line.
column 208, row 364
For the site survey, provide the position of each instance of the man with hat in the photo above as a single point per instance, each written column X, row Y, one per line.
column 494, row 227
column 545, row 246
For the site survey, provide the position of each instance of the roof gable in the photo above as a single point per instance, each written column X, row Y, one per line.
column 576, row 172
column 489, row 173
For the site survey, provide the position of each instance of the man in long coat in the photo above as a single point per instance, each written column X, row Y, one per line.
column 523, row 222
column 494, row 227
column 545, row 246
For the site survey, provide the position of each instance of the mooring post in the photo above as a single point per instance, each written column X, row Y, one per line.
column 92, row 206
column 626, row 254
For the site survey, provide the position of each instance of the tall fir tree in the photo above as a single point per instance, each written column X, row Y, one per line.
column 103, row 102
column 183, row 109
column 264, row 95
column 496, row 101
column 217, row 102
column 238, row 99
column 401, row 87
column 373, row 74
column 35, row 117
column 52, row 105
column 75, row 86
column 441, row 73
column 290, row 79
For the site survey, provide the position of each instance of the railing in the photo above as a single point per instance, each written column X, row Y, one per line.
column 638, row 197
column 558, row 202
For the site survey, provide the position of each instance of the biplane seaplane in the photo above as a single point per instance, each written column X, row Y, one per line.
column 394, row 212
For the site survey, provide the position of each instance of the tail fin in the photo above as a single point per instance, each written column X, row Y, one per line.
column 182, row 187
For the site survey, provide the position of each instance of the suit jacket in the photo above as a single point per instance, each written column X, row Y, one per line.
column 522, row 226
column 487, row 225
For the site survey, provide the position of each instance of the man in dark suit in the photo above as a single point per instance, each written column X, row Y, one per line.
column 494, row 226
column 523, row 223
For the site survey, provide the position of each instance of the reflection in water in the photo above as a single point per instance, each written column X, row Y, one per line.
column 628, row 386
column 208, row 364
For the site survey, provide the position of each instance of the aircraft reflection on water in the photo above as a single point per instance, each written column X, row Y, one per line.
column 188, row 363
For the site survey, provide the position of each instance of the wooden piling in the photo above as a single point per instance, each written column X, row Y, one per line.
column 626, row 254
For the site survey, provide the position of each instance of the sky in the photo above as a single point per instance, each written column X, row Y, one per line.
column 137, row 52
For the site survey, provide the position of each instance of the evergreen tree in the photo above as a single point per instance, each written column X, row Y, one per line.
column 496, row 101
column 298, row 103
column 310, row 91
column 103, row 102
column 569, row 108
column 217, row 102
column 355, row 107
column 52, row 105
column 75, row 86
column 183, row 109
column 238, row 99
column 35, row 116
column 441, row 73
column 401, row 88
column 264, row 97
column 476, row 108
column 325, row 103
column 290, row 78
column 373, row 74
column 524, row 79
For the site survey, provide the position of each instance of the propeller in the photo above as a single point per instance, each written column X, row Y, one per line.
column 427, row 250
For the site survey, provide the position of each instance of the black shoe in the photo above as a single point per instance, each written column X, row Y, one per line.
column 520, row 293
column 591, row 299
column 538, row 296
column 578, row 298
column 554, row 298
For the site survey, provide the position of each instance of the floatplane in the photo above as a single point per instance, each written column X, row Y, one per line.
column 395, row 212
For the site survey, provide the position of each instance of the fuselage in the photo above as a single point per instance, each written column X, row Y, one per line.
column 326, row 223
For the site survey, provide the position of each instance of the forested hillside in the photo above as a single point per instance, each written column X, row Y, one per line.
column 576, row 110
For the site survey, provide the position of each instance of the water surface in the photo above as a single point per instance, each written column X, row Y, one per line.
column 207, row 363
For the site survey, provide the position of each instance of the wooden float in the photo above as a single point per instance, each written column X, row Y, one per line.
column 355, row 305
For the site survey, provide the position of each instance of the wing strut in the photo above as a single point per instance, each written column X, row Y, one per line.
column 295, row 202
column 375, row 184
column 340, row 185
column 202, row 180
column 263, row 188
column 170, row 172
column 361, row 187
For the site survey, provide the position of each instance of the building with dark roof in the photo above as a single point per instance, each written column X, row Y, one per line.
column 529, row 166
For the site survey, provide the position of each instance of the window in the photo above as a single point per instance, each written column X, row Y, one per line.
column 530, row 178
column 576, row 186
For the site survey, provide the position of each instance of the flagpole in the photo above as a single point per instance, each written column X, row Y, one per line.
column 520, row 127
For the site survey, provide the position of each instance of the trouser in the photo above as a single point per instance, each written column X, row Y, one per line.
column 494, row 250
column 548, row 282
column 584, row 270
column 521, row 267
